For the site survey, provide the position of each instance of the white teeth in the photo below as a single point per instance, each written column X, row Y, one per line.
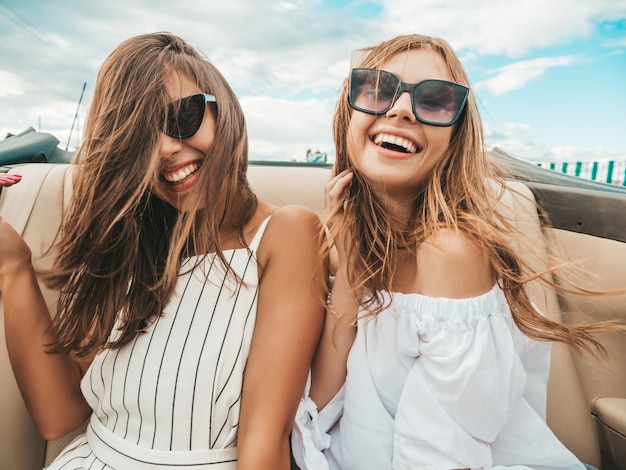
column 181, row 174
column 395, row 140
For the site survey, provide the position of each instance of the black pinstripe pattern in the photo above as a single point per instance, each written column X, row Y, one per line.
column 177, row 386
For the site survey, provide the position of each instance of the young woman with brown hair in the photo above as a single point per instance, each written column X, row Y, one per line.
column 189, row 309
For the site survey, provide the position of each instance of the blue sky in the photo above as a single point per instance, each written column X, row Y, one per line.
column 577, row 101
column 550, row 75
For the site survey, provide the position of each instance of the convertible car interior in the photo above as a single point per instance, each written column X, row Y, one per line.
column 586, row 398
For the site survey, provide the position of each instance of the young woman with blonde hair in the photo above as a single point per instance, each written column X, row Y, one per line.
column 432, row 355
column 189, row 309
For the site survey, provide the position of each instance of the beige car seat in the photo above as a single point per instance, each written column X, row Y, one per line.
column 35, row 206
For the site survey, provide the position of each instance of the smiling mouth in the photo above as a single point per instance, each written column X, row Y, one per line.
column 395, row 143
column 180, row 175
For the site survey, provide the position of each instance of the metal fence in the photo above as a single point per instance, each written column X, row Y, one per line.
column 610, row 171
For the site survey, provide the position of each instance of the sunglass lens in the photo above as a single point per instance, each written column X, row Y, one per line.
column 438, row 101
column 184, row 116
column 372, row 90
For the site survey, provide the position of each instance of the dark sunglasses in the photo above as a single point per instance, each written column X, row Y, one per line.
column 435, row 102
column 184, row 116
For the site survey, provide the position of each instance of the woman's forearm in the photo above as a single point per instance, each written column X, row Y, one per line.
column 329, row 367
column 49, row 383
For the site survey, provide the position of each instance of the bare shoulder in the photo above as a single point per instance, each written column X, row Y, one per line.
column 288, row 215
column 291, row 228
column 450, row 264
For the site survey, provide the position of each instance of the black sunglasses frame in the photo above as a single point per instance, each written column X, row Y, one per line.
column 461, row 93
column 173, row 123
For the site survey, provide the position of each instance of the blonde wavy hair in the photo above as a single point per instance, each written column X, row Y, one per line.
column 461, row 193
column 121, row 248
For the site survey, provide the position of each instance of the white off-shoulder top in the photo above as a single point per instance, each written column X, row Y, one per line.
column 436, row 383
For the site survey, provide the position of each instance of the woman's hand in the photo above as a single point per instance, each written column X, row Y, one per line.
column 335, row 188
column 333, row 192
column 9, row 180
column 14, row 253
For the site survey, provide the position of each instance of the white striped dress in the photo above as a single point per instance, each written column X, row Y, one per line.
column 171, row 397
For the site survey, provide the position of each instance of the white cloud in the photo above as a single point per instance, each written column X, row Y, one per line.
column 287, row 128
column 576, row 154
column 616, row 46
column 492, row 27
column 516, row 139
column 10, row 84
column 518, row 74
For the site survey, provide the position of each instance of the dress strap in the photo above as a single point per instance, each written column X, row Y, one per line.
column 254, row 244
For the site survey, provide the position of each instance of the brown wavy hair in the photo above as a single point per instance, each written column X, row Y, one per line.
column 461, row 193
column 121, row 248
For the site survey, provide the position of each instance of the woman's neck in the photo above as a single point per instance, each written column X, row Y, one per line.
column 400, row 209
